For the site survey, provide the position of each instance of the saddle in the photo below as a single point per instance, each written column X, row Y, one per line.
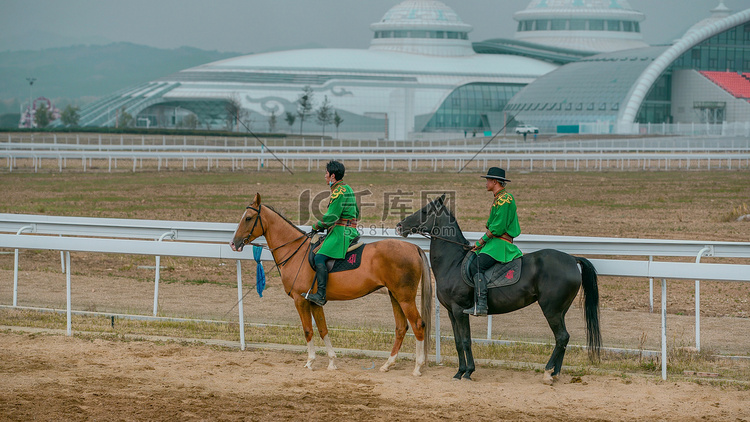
column 351, row 260
column 498, row 275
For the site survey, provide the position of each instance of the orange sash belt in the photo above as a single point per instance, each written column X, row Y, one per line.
column 347, row 223
column 505, row 236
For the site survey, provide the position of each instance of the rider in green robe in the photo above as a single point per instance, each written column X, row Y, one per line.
column 341, row 222
column 496, row 245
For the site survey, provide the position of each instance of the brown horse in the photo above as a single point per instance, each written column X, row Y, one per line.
column 396, row 265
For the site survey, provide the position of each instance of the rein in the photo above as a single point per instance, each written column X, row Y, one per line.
column 263, row 233
column 283, row 262
column 431, row 236
column 428, row 235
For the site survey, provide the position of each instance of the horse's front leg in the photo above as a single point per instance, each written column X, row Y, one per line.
column 462, row 331
column 320, row 321
column 459, row 347
column 401, row 327
column 303, row 309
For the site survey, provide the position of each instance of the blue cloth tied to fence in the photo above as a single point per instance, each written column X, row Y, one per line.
column 260, row 275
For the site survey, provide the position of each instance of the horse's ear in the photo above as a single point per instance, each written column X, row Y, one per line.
column 442, row 199
column 256, row 201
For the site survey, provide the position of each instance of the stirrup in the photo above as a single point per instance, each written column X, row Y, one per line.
column 314, row 298
column 474, row 312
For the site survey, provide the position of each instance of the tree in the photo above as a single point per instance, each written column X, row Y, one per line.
column 190, row 121
column 272, row 122
column 235, row 112
column 70, row 116
column 324, row 114
column 290, row 118
column 337, row 121
column 42, row 116
column 124, row 119
column 305, row 105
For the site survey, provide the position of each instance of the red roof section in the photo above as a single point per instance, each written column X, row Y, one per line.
column 734, row 83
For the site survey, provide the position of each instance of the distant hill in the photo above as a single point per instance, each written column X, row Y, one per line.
column 79, row 74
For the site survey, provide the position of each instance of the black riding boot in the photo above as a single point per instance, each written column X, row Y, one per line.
column 480, row 297
column 321, row 274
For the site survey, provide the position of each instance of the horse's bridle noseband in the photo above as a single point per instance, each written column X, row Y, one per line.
column 426, row 233
column 246, row 240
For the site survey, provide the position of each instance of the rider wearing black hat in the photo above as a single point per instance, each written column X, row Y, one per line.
column 496, row 245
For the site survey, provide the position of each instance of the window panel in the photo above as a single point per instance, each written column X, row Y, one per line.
column 559, row 24
column 577, row 25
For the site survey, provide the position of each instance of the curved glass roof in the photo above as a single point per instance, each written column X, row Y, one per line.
column 592, row 89
column 378, row 62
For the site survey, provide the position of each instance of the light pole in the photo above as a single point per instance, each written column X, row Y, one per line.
column 31, row 103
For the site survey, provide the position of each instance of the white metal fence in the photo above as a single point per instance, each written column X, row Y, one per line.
column 112, row 152
column 211, row 240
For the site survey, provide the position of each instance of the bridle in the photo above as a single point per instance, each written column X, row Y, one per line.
column 426, row 233
column 278, row 264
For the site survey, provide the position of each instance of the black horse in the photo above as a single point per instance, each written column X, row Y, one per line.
column 548, row 276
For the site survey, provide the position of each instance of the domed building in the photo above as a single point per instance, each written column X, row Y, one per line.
column 420, row 75
column 599, row 26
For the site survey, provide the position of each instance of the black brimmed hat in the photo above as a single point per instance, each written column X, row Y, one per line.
column 496, row 173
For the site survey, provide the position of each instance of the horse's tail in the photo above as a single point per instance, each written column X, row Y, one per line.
column 427, row 300
column 591, row 306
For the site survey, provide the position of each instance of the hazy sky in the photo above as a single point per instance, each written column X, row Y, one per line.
column 257, row 25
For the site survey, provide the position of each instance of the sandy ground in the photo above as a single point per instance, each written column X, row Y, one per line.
column 52, row 377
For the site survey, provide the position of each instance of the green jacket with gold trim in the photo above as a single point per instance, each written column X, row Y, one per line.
column 503, row 219
column 341, row 206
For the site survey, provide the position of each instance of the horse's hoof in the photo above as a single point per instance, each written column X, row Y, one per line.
column 417, row 373
column 332, row 367
column 388, row 364
column 547, row 379
column 308, row 365
column 467, row 377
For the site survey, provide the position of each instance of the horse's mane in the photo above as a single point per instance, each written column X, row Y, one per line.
column 283, row 217
column 460, row 234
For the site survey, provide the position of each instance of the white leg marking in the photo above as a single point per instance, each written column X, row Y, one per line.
column 387, row 365
column 331, row 353
column 310, row 355
column 547, row 379
column 420, row 359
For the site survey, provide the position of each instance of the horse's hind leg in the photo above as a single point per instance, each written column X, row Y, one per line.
column 557, row 324
column 320, row 321
column 401, row 327
column 418, row 325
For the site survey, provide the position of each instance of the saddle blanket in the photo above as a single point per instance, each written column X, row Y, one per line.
column 352, row 260
column 499, row 275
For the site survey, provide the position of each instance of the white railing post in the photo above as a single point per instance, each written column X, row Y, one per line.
column 706, row 251
column 650, row 288
column 157, row 272
column 239, row 304
column 664, row 329
column 15, row 266
column 489, row 327
column 437, row 329
column 67, row 294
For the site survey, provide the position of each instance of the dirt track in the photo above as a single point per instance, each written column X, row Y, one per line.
column 59, row 378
